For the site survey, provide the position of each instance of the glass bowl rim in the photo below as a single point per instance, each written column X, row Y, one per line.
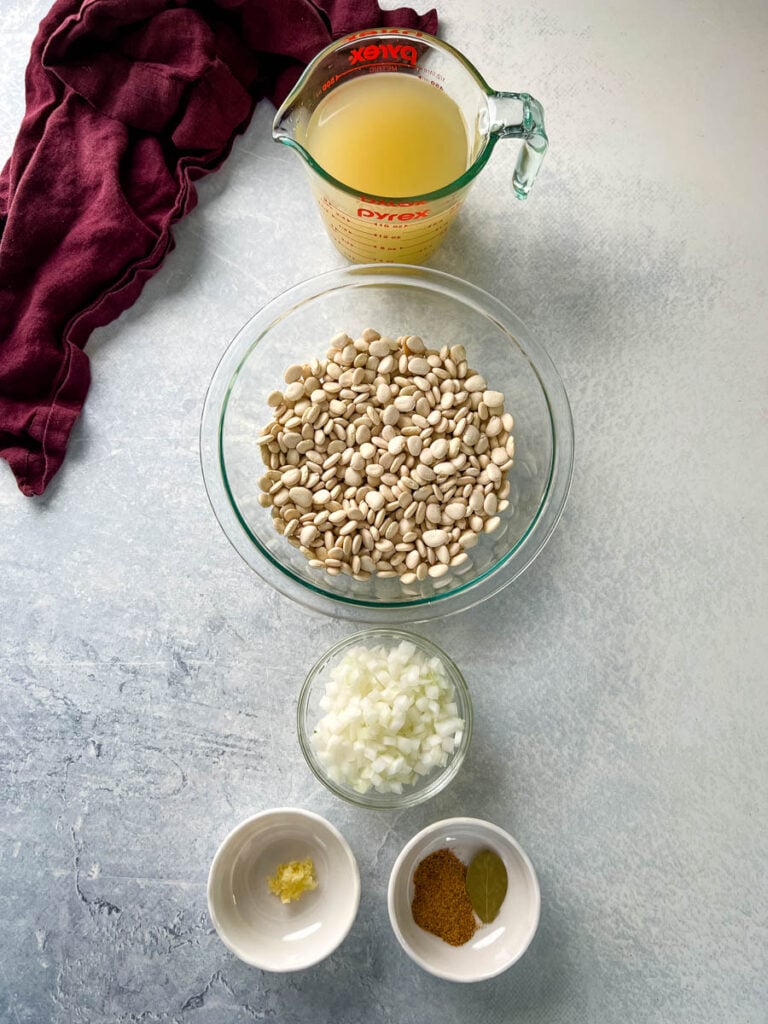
column 280, row 576
column 387, row 801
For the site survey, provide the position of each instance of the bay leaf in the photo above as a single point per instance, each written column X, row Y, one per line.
column 486, row 884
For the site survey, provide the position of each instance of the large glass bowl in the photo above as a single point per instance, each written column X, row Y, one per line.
column 444, row 310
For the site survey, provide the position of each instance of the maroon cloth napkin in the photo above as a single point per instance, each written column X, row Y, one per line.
column 128, row 102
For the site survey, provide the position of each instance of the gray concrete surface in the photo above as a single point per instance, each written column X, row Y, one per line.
column 148, row 679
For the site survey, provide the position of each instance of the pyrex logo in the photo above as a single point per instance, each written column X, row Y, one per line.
column 384, row 51
column 375, row 215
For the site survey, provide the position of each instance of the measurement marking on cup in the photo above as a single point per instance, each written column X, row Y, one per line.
column 373, row 201
column 361, row 245
column 401, row 236
column 393, row 232
column 340, row 229
column 353, row 71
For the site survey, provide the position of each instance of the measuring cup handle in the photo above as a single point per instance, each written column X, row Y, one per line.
column 516, row 115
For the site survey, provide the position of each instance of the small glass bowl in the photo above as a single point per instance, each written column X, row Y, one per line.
column 309, row 713
column 396, row 300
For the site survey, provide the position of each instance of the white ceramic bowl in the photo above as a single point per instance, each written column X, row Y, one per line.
column 495, row 946
column 252, row 921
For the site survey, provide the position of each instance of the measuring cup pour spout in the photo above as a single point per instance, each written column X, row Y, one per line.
column 516, row 115
column 288, row 124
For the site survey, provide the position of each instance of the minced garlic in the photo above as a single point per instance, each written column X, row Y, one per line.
column 293, row 879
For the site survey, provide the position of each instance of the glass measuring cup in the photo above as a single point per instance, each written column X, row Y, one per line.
column 407, row 229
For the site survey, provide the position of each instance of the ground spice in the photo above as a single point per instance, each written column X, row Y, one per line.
column 440, row 901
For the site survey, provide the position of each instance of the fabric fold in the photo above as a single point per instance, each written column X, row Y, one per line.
column 127, row 105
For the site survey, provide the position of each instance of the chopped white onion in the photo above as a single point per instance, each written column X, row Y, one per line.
column 390, row 718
